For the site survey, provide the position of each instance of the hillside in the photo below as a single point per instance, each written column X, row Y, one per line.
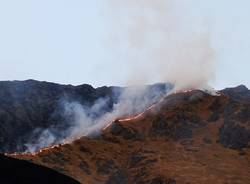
column 27, row 108
column 188, row 137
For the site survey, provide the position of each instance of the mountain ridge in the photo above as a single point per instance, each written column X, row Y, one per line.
column 27, row 108
column 189, row 137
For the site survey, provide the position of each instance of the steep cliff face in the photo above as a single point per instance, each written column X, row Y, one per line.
column 188, row 137
column 27, row 108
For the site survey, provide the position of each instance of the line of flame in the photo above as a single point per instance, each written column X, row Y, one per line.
column 108, row 125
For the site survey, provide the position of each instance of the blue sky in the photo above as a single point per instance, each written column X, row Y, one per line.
column 64, row 41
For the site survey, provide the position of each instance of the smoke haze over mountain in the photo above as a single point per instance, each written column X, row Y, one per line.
column 34, row 44
column 80, row 120
column 158, row 40
column 162, row 40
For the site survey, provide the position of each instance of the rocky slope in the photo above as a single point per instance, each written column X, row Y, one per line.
column 188, row 137
column 13, row 171
column 29, row 107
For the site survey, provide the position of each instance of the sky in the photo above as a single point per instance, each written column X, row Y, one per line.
column 66, row 41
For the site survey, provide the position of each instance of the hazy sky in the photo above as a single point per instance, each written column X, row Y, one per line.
column 65, row 41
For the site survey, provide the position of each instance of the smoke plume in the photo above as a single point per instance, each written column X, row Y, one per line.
column 161, row 40
column 83, row 120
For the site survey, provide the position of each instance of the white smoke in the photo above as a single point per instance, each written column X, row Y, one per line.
column 161, row 40
column 89, row 120
column 46, row 138
column 132, row 100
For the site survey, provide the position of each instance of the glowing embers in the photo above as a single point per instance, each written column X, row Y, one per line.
column 131, row 118
column 183, row 91
column 135, row 117
column 47, row 149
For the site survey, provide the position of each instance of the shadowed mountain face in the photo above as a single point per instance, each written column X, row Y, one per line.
column 240, row 93
column 13, row 171
column 29, row 107
column 188, row 137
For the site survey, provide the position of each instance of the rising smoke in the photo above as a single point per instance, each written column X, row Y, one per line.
column 160, row 40
column 82, row 120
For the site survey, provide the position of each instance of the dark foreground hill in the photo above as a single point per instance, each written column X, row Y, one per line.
column 188, row 137
column 13, row 171
column 29, row 107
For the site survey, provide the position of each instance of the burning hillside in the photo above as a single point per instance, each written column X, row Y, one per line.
column 189, row 137
column 177, row 131
column 35, row 115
